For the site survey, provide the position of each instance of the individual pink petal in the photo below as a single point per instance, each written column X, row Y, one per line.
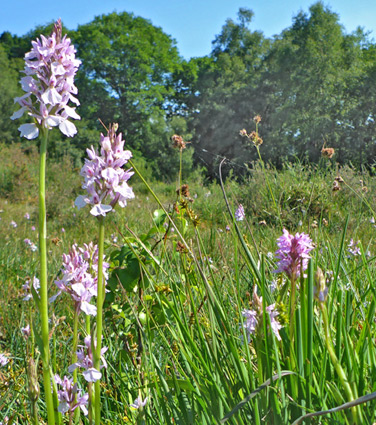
column 92, row 375
column 18, row 114
column 100, row 209
column 30, row 131
column 68, row 128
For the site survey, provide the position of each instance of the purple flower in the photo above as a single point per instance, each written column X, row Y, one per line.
column 3, row 359
column 27, row 290
column 49, row 71
column 33, row 228
column 68, row 394
column 239, row 213
column 353, row 248
column 79, row 277
column 27, row 242
column 252, row 317
column 293, row 253
column 13, row 224
column 27, row 216
column 26, row 331
column 138, row 403
column 250, row 322
column 105, row 179
column 85, row 361
column 276, row 326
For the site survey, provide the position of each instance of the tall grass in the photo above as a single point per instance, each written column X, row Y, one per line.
column 179, row 282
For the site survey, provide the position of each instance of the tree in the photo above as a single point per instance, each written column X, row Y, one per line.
column 9, row 90
column 225, row 83
column 126, row 77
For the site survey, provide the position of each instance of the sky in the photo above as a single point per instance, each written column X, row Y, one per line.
column 192, row 23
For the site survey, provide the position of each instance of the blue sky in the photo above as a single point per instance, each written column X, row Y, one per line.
column 192, row 23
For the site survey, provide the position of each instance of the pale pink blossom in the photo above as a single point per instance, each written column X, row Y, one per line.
column 48, row 84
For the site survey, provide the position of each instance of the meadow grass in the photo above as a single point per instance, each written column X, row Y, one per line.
column 182, row 270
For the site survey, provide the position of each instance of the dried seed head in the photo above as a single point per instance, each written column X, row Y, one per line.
column 184, row 190
column 181, row 248
column 327, row 152
column 257, row 119
column 335, row 186
column 325, row 222
column 178, row 142
column 339, row 179
column 243, row 132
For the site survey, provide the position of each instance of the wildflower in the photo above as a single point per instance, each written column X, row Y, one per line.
column 50, row 68
column 26, row 331
column 13, row 224
column 372, row 220
column 33, row 228
column 275, row 325
column 33, row 247
column 353, row 248
column 77, row 281
column 293, row 253
column 27, row 242
column 27, row 289
column 252, row 320
column 239, row 213
column 138, row 403
column 227, row 228
column 68, row 394
column 105, row 179
column 27, row 216
column 257, row 119
column 85, row 361
column 3, row 359
column 62, row 230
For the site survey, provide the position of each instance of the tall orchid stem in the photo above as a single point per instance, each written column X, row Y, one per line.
column 100, row 299
column 43, row 306
column 340, row 372
column 292, row 308
column 74, row 355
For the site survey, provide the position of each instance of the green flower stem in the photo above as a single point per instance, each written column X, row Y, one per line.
column 74, row 344
column 100, row 299
column 292, row 309
column 90, row 384
column 43, row 307
column 340, row 372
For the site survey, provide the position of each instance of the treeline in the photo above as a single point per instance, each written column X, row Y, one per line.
column 313, row 85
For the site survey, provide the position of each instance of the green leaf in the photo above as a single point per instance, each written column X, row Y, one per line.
column 253, row 394
column 159, row 217
column 128, row 277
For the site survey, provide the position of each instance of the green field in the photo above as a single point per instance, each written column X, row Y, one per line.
column 177, row 289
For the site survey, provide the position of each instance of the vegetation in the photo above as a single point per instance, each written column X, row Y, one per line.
column 244, row 300
column 312, row 84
